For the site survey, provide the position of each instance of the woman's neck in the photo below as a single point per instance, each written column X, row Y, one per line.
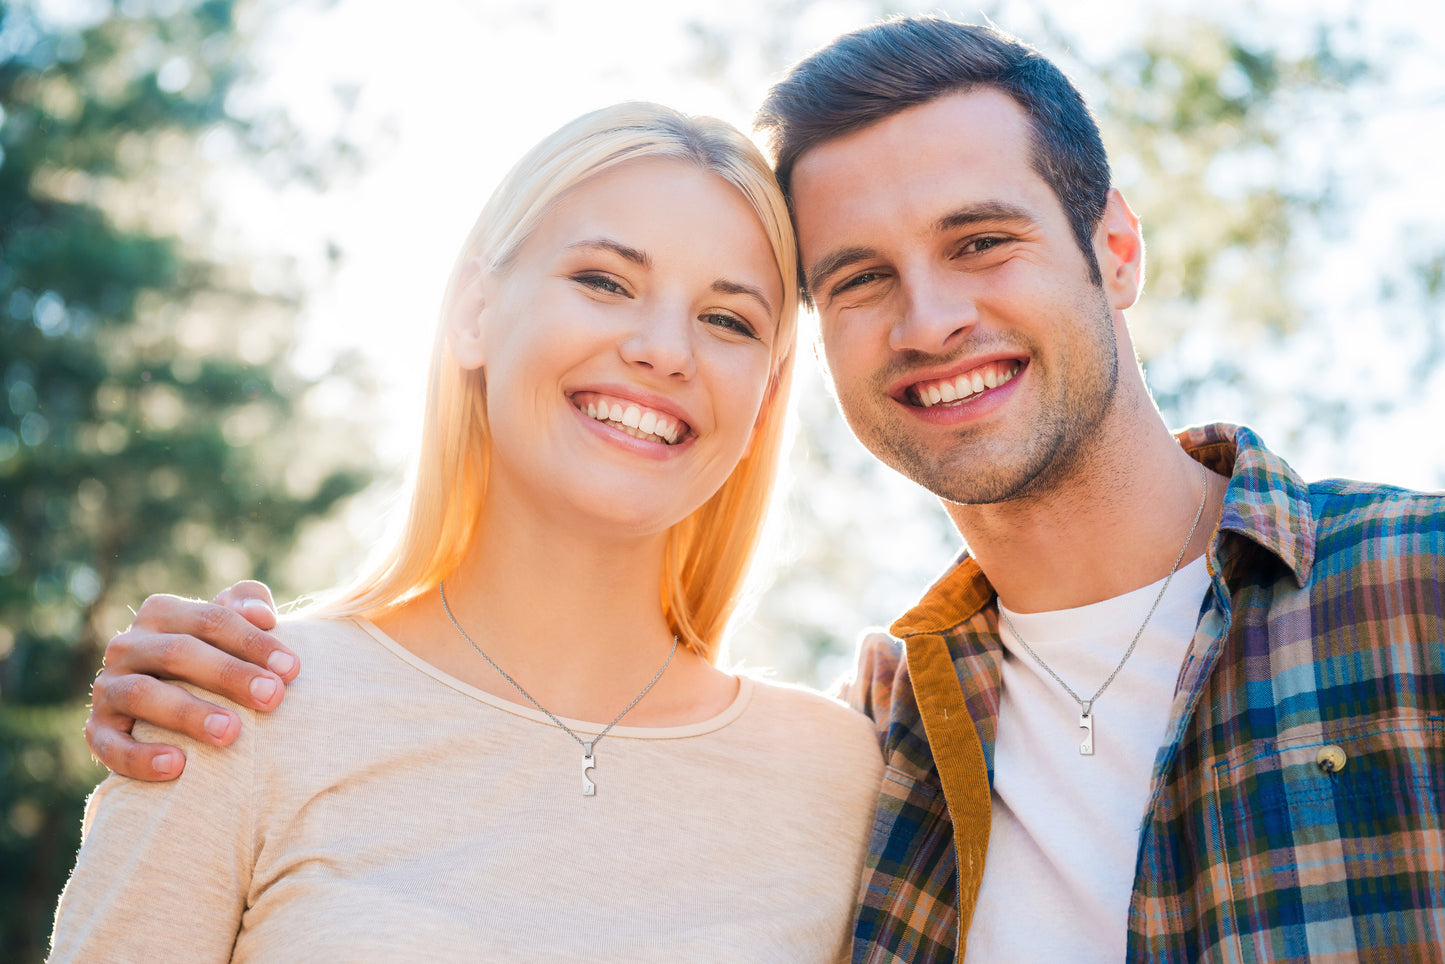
column 576, row 620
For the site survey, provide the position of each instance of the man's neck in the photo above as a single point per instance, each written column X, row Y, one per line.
column 1115, row 523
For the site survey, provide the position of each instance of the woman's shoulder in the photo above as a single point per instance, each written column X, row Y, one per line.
column 321, row 634
column 339, row 651
column 320, row 644
column 808, row 711
column 809, row 739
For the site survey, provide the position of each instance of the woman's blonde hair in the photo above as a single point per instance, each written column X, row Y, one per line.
column 707, row 553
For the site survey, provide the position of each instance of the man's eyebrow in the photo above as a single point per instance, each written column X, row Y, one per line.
column 640, row 258
column 985, row 211
column 836, row 261
column 724, row 286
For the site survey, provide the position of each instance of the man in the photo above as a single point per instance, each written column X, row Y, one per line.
column 1173, row 703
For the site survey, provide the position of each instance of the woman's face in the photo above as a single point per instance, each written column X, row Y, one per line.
column 627, row 349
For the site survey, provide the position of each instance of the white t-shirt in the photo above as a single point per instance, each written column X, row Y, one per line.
column 389, row 812
column 1065, row 829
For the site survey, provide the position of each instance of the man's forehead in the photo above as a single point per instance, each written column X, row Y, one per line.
column 961, row 148
column 978, row 119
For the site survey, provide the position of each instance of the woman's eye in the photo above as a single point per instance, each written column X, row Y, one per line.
column 731, row 323
column 600, row 282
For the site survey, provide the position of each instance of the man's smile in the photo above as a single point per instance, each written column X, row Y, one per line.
column 958, row 388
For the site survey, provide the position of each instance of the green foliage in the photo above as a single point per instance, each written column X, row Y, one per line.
column 151, row 433
column 1202, row 125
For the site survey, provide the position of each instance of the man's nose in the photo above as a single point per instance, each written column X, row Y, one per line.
column 938, row 308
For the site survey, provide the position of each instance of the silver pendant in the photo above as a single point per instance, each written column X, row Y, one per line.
column 1086, row 720
column 589, row 789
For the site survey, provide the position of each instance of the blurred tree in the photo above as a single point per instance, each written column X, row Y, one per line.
column 151, row 432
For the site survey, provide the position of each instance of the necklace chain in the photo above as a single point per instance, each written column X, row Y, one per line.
column 586, row 745
column 1087, row 706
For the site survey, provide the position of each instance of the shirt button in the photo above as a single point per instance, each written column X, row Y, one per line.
column 1331, row 759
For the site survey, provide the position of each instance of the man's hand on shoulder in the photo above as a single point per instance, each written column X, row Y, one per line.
column 223, row 646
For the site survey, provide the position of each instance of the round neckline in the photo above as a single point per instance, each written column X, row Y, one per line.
column 729, row 713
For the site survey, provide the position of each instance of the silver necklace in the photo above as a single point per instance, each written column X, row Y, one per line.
column 589, row 789
column 1086, row 706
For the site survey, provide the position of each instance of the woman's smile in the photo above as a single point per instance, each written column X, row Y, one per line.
column 632, row 418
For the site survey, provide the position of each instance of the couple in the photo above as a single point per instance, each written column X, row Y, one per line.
column 1186, row 705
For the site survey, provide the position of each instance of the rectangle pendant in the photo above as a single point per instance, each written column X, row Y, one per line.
column 1086, row 721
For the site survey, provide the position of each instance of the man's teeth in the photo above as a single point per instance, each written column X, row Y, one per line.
column 965, row 386
column 639, row 423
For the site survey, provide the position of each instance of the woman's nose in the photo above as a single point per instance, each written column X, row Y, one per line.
column 662, row 342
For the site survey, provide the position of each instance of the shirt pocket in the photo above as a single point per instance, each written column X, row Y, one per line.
column 1333, row 843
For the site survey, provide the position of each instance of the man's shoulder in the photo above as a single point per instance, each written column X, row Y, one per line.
column 1361, row 523
column 1298, row 520
column 1346, row 501
column 880, row 676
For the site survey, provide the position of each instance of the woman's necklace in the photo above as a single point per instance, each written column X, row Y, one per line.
column 589, row 789
column 1086, row 707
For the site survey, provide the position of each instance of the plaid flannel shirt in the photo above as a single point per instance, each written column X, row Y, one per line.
column 1295, row 809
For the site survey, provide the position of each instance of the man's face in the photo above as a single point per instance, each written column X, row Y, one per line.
column 969, row 347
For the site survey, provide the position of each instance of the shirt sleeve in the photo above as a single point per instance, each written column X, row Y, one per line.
column 164, row 868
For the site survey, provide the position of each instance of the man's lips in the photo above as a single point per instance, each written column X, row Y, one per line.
column 632, row 418
column 962, row 386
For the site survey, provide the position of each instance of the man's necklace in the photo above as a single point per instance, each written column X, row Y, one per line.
column 1086, row 707
column 589, row 789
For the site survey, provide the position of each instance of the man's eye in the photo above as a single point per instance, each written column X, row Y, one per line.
column 857, row 281
column 980, row 245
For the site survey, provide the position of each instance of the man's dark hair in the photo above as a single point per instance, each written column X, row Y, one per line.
column 878, row 71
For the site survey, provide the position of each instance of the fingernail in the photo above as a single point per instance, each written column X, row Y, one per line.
column 281, row 663
column 165, row 764
column 257, row 604
column 216, row 725
column 263, row 688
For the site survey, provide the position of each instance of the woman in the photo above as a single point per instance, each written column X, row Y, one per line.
column 511, row 741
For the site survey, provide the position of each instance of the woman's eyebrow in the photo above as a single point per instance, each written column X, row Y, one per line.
column 640, row 258
column 724, row 286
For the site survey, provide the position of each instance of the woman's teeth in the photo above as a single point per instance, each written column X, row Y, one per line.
column 638, row 422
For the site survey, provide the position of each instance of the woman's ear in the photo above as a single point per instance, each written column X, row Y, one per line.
column 466, row 315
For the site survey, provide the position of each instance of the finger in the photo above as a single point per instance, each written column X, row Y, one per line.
column 112, row 745
column 173, row 656
column 221, row 627
column 137, row 697
column 251, row 599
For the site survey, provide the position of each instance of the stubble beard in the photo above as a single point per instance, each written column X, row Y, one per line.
column 985, row 467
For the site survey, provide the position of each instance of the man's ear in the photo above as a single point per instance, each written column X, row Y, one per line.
column 465, row 315
column 1119, row 246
